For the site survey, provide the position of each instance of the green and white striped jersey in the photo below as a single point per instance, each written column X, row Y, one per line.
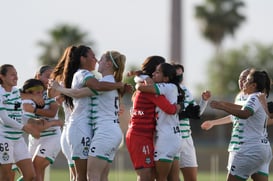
column 11, row 123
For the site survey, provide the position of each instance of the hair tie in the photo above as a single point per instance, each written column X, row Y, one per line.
column 115, row 64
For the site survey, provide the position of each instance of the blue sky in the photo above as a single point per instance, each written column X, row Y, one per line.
column 137, row 28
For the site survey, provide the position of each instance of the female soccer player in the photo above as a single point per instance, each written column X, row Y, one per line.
column 141, row 131
column 13, row 146
column 77, row 75
column 254, row 154
column 167, row 126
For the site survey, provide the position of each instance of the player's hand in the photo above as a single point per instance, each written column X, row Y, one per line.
column 38, row 100
column 31, row 129
column 206, row 95
column 216, row 104
column 52, row 84
column 206, row 125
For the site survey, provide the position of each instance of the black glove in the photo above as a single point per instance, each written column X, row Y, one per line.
column 270, row 107
column 191, row 111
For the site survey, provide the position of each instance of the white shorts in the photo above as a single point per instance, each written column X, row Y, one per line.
column 13, row 151
column 66, row 148
column 105, row 142
column 46, row 147
column 79, row 139
column 230, row 159
column 167, row 147
column 255, row 159
column 187, row 154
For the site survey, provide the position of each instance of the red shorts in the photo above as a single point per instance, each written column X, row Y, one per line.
column 141, row 150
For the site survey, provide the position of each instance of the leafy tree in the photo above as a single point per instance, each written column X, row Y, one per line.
column 224, row 73
column 219, row 18
column 61, row 36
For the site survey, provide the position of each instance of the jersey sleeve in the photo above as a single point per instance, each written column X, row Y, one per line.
column 80, row 78
column 6, row 120
column 164, row 88
column 203, row 104
column 190, row 100
column 28, row 114
column 163, row 104
column 252, row 103
column 140, row 78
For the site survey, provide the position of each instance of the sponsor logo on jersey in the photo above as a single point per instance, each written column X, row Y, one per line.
column 93, row 149
column 42, row 151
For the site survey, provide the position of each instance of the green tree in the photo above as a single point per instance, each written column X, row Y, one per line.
column 61, row 36
column 219, row 18
column 223, row 75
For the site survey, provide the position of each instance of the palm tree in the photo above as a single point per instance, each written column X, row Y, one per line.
column 235, row 60
column 219, row 18
column 61, row 36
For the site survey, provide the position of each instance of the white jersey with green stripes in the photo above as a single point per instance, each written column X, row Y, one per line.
column 184, row 124
column 254, row 128
column 10, row 105
column 105, row 106
column 82, row 106
column 107, row 134
column 253, row 154
column 166, row 122
column 235, row 139
column 29, row 114
column 49, row 131
column 49, row 101
column 167, row 126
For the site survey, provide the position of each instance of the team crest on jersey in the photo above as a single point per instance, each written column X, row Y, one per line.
column 4, row 101
column 85, row 151
column 148, row 160
column 5, row 156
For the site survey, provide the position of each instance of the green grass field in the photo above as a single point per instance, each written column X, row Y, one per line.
column 57, row 175
column 63, row 175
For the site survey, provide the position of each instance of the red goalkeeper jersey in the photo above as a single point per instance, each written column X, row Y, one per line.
column 143, row 112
